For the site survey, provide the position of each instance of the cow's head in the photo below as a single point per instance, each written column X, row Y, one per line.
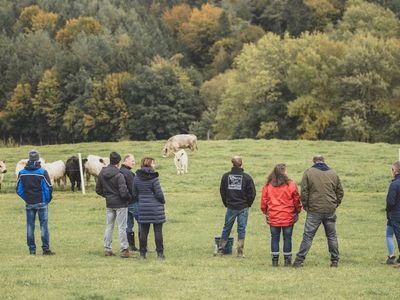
column 164, row 152
column 3, row 168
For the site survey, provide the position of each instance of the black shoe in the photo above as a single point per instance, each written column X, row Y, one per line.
column 334, row 264
column 32, row 252
column 160, row 256
column 297, row 264
column 391, row 260
column 142, row 256
column 48, row 252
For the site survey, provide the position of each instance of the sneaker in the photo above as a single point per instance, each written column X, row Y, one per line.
column 109, row 253
column 391, row 260
column 48, row 252
column 334, row 264
column 297, row 264
column 125, row 253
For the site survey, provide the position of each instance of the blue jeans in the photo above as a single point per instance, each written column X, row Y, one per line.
column 230, row 216
column 396, row 230
column 287, row 240
column 42, row 210
column 313, row 221
column 389, row 240
column 133, row 214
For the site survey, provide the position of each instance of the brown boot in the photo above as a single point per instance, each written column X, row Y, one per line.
column 125, row 253
column 221, row 248
column 240, row 246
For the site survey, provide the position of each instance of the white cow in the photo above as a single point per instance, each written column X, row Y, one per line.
column 94, row 164
column 3, row 169
column 181, row 161
column 56, row 172
column 22, row 163
column 180, row 141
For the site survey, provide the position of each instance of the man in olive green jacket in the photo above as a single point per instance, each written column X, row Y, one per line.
column 321, row 194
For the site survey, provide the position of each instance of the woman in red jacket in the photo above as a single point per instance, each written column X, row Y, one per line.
column 280, row 203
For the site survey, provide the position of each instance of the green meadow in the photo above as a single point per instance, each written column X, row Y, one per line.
column 195, row 216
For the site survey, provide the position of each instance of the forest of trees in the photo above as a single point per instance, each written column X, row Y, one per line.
column 108, row 70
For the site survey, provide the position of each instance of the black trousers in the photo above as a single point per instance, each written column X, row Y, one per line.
column 158, row 235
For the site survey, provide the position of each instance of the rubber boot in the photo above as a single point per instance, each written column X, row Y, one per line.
column 275, row 260
column 221, row 247
column 288, row 260
column 240, row 246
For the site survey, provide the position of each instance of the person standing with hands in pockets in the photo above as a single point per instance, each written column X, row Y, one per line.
column 280, row 203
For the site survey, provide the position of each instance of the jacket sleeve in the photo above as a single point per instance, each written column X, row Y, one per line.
column 158, row 193
column 296, row 197
column 250, row 191
column 99, row 186
column 391, row 197
column 47, row 188
column 264, row 200
column 129, row 181
column 304, row 196
column 222, row 189
column 20, row 187
column 339, row 192
column 123, row 188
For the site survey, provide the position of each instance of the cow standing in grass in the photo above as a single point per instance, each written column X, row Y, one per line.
column 3, row 169
column 181, row 161
column 94, row 164
column 73, row 173
column 180, row 141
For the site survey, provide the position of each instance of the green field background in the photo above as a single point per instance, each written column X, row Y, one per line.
column 194, row 216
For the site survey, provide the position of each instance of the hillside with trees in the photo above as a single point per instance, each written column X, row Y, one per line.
column 107, row 70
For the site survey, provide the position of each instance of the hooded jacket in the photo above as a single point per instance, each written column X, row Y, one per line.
column 33, row 184
column 321, row 189
column 237, row 189
column 280, row 203
column 146, row 186
column 111, row 185
column 393, row 200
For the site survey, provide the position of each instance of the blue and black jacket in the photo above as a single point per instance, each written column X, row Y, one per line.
column 393, row 200
column 33, row 184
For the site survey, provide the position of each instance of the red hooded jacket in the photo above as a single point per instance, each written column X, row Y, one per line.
column 279, row 202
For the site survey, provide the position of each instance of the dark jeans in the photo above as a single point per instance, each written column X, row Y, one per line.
column 313, row 221
column 158, row 236
column 132, row 216
column 230, row 217
column 42, row 211
column 396, row 230
column 287, row 240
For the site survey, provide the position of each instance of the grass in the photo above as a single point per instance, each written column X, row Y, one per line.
column 195, row 215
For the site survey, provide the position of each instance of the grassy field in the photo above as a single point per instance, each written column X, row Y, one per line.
column 195, row 215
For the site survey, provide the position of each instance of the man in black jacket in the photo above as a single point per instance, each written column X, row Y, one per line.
column 237, row 193
column 111, row 185
column 126, row 170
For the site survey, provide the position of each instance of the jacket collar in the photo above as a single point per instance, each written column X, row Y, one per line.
column 237, row 170
column 321, row 166
column 396, row 177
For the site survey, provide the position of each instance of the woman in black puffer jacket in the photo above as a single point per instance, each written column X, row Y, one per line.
column 151, row 205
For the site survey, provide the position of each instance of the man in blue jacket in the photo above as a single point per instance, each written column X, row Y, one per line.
column 34, row 187
column 393, row 202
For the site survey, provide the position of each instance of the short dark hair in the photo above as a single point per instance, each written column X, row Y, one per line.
column 278, row 176
column 237, row 161
column 318, row 158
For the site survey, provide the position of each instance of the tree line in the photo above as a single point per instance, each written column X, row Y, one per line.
column 106, row 70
